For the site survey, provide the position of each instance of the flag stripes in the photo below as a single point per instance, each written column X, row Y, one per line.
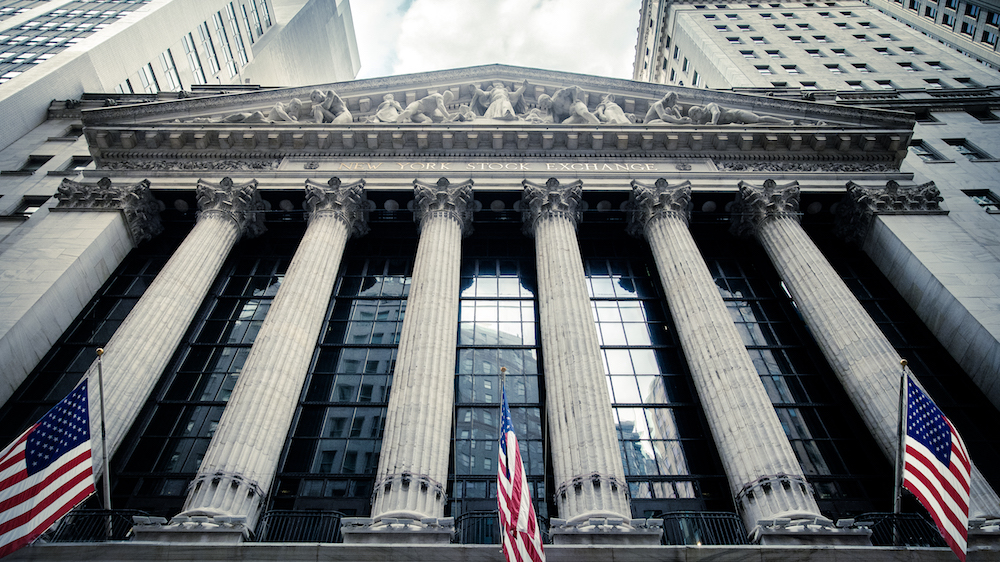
column 936, row 468
column 520, row 535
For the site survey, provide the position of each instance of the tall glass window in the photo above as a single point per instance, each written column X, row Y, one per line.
column 227, row 49
column 670, row 460
column 332, row 454
column 193, row 59
column 498, row 327
column 834, row 448
column 209, row 47
column 170, row 71
column 246, row 22
column 164, row 450
column 234, row 25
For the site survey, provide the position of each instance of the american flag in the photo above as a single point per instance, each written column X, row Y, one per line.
column 522, row 540
column 936, row 467
column 46, row 472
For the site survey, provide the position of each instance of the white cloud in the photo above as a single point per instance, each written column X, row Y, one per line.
column 587, row 36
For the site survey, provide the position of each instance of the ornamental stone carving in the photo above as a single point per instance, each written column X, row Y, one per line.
column 550, row 200
column 141, row 210
column 757, row 204
column 658, row 200
column 239, row 202
column 347, row 202
column 443, row 199
column 860, row 204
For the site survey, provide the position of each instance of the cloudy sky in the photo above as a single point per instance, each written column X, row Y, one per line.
column 586, row 36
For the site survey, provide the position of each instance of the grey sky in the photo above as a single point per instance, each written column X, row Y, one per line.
column 586, row 36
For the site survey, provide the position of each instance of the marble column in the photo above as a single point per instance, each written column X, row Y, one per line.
column 587, row 464
column 764, row 475
column 139, row 350
column 241, row 460
column 413, row 464
column 865, row 362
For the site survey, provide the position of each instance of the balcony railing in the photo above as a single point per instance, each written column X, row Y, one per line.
column 905, row 529
column 300, row 526
column 703, row 528
column 92, row 525
column 483, row 527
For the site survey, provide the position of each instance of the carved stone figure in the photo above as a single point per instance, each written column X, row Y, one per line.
column 542, row 113
column 610, row 112
column 329, row 108
column 665, row 111
column 430, row 109
column 567, row 108
column 499, row 102
column 388, row 111
column 714, row 114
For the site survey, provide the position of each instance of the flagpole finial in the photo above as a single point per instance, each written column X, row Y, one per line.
column 100, row 351
column 903, row 362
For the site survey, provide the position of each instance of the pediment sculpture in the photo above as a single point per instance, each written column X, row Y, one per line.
column 500, row 104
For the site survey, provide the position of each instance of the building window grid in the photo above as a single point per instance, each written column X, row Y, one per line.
column 234, row 24
column 669, row 457
column 924, row 152
column 170, row 71
column 193, row 59
column 148, row 79
column 227, row 49
column 265, row 11
column 498, row 327
column 246, row 22
column 969, row 150
column 31, row 43
column 208, row 45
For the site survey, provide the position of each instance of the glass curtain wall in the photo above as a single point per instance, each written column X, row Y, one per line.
column 498, row 327
column 670, row 461
column 332, row 453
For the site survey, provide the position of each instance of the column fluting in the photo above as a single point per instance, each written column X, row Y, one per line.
column 764, row 475
column 242, row 458
column 587, row 465
column 865, row 362
column 413, row 464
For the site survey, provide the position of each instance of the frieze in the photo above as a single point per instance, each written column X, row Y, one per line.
column 222, row 165
column 772, row 166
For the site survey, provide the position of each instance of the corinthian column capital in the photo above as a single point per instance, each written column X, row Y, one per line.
column 443, row 199
column 649, row 202
column 239, row 202
column 141, row 210
column 550, row 200
column 860, row 204
column 346, row 202
column 759, row 204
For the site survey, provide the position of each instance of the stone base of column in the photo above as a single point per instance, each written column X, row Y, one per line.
column 607, row 530
column 984, row 533
column 196, row 529
column 397, row 530
column 807, row 532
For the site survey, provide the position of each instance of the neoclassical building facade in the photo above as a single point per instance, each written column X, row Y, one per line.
column 306, row 296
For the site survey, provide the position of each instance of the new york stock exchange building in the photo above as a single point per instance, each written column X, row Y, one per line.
column 701, row 300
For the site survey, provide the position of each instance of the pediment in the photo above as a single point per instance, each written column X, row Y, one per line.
column 492, row 107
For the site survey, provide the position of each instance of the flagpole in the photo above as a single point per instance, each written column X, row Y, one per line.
column 104, row 441
column 897, row 499
column 503, row 532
